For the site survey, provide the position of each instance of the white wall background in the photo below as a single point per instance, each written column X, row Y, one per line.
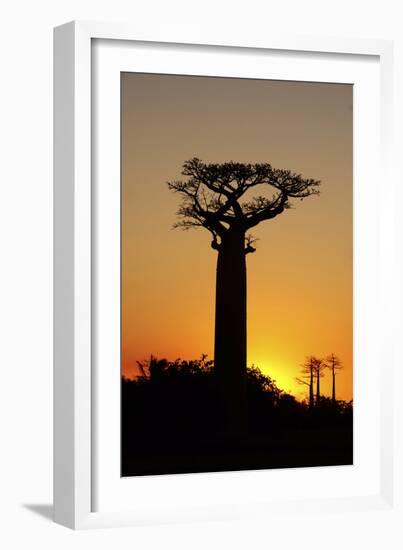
column 26, row 259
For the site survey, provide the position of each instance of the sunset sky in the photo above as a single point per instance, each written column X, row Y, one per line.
column 299, row 279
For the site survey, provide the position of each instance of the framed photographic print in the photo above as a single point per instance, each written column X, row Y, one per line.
column 222, row 276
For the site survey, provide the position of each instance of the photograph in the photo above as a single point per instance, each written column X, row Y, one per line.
column 236, row 270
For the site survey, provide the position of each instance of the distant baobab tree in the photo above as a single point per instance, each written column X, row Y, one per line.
column 334, row 364
column 319, row 366
column 220, row 198
column 308, row 373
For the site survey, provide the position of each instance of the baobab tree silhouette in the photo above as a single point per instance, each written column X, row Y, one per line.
column 334, row 364
column 307, row 370
column 218, row 198
column 319, row 365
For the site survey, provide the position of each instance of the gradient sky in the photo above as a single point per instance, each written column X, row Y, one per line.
column 299, row 279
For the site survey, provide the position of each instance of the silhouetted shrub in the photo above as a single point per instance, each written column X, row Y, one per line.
column 173, row 398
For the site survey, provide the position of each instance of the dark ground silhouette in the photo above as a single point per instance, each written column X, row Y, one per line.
column 169, row 424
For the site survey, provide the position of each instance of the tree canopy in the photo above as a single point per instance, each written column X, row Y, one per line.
column 220, row 197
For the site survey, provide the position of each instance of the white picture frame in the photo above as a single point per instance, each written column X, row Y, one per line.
column 86, row 494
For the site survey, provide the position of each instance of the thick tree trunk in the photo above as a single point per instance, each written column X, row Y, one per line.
column 333, row 386
column 230, row 333
column 317, row 387
column 311, row 388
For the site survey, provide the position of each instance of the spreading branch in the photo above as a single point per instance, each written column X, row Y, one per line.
column 214, row 196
